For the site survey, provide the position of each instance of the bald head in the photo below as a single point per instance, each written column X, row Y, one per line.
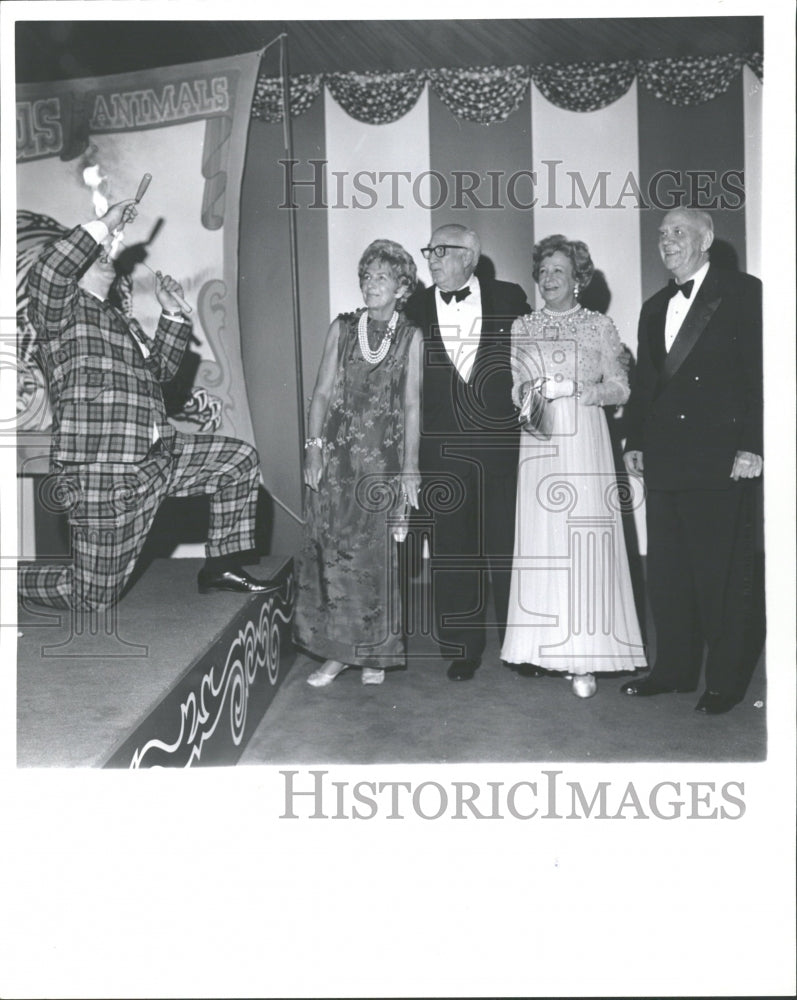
column 454, row 268
column 695, row 217
column 456, row 233
column 685, row 235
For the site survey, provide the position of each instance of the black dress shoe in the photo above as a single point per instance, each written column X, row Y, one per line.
column 712, row 703
column 529, row 670
column 462, row 670
column 647, row 686
column 236, row 580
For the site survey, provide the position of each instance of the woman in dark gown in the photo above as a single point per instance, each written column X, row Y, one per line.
column 361, row 467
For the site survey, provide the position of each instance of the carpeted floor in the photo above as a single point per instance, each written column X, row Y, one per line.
column 419, row 716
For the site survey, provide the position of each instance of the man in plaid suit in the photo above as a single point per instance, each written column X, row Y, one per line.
column 114, row 453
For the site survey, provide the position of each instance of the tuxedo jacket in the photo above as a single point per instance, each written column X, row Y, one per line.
column 477, row 417
column 692, row 408
column 104, row 393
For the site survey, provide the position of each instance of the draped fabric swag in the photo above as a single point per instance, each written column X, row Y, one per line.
column 490, row 94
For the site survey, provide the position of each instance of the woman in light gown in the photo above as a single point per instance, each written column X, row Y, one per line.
column 571, row 605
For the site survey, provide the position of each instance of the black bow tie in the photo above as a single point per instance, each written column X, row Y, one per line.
column 686, row 287
column 463, row 293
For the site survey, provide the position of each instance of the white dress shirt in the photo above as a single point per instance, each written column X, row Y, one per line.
column 461, row 327
column 678, row 307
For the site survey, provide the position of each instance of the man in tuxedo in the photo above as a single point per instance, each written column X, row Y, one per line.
column 695, row 434
column 114, row 453
column 469, row 442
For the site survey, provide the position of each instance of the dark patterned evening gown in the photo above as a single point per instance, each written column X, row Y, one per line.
column 347, row 604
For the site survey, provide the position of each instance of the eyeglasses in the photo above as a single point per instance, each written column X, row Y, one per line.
column 441, row 249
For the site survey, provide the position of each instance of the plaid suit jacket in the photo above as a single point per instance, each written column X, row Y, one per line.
column 105, row 395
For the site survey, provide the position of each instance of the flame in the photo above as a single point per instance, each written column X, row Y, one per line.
column 116, row 243
column 93, row 178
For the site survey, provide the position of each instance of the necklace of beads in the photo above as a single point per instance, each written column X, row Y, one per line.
column 374, row 357
column 563, row 313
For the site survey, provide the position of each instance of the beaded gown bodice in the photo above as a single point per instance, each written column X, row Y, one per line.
column 581, row 345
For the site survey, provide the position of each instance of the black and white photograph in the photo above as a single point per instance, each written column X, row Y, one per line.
column 398, row 421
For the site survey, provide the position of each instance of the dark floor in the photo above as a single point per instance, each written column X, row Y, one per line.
column 419, row 716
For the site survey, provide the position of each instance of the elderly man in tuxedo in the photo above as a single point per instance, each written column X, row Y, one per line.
column 114, row 453
column 695, row 434
column 469, row 442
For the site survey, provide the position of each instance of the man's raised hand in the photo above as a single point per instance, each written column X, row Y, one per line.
column 120, row 214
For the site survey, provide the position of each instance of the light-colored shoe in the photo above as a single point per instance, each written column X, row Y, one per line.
column 584, row 685
column 326, row 673
column 372, row 675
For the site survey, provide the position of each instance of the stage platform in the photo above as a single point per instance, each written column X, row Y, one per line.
column 168, row 678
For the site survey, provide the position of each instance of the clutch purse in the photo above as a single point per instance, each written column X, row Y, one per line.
column 536, row 413
column 401, row 519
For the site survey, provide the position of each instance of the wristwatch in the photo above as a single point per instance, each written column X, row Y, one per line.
column 318, row 442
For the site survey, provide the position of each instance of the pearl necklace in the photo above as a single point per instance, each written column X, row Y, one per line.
column 374, row 357
column 563, row 313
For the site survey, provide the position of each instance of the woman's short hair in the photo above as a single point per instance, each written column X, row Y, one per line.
column 575, row 251
column 401, row 265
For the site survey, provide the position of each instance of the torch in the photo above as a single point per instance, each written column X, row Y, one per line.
column 142, row 188
column 183, row 304
column 118, row 232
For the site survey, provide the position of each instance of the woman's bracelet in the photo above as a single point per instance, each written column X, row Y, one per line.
column 314, row 442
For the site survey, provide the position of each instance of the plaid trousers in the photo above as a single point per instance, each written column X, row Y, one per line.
column 111, row 507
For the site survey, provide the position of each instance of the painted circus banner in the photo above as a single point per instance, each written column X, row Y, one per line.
column 85, row 144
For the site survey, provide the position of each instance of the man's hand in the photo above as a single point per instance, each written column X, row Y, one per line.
column 166, row 288
column 746, row 465
column 634, row 465
column 120, row 214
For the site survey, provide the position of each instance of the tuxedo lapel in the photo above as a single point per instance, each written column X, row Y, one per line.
column 656, row 336
column 705, row 305
column 486, row 293
column 435, row 353
column 433, row 323
column 488, row 315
